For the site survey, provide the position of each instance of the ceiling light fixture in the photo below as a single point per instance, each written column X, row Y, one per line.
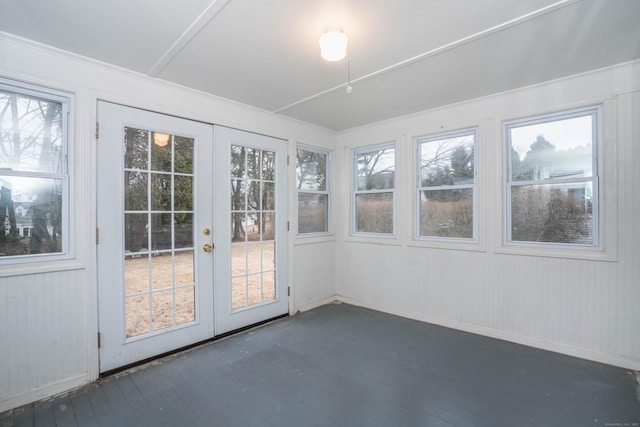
column 160, row 139
column 333, row 43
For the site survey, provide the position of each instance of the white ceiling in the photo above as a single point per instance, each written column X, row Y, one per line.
column 406, row 55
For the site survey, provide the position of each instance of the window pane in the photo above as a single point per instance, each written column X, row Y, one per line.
column 375, row 169
column 183, row 193
column 374, row 213
column 161, row 152
column 183, row 155
column 313, row 212
column 552, row 213
column 30, row 133
column 135, row 190
column 552, row 150
column 136, row 146
column 183, row 223
column 30, row 216
column 268, row 165
column 160, row 192
column 447, row 161
column 160, row 229
column 136, row 238
column 446, row 213
column 311, row 170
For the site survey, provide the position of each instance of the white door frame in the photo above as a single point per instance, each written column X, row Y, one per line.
column 214, row 315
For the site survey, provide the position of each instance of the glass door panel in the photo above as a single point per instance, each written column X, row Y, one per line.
column 251, row 285
column 159, row 207
column 155, row 279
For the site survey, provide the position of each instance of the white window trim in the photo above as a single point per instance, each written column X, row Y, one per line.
column 418, row 189
column 328, row 192
column 67, row 100
column 560, row 250
column 354, row 191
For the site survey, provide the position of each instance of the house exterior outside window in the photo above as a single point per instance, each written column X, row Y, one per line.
column 552, row 192
column 446, row 186
column 34, row 177
column 313, row 169
column 374, row 191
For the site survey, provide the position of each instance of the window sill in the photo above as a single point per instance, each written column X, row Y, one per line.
column 39, row 267
column 470, row 245
column 551, row 252
column 310, row 239
column 373, row 239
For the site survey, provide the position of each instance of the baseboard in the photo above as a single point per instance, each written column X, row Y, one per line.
column 556, row 347
column 43, row 392
column 315, row 304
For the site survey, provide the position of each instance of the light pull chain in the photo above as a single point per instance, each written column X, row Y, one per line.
column 349, row 87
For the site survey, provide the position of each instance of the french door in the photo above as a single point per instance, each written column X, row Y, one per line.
column 165, row 233
column 251, row 229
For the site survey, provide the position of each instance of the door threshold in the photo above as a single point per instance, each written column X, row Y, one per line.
column 140, row 363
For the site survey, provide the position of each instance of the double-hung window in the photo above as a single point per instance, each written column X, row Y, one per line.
column 34, row 177
column 446, row 186
column 552, row 184
column 374, row 190
column 312, row 183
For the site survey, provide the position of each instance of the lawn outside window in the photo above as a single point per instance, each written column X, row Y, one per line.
column 446, row 186
column 374, row 191
column 313, row 168
column 34, row 177
column 552, row 184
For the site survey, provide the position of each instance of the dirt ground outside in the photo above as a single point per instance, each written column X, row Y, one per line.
column 152, row 281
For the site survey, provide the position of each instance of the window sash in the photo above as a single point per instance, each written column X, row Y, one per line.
column 420, row 189
column 326, row 192
column 595, row 112
column 356, row 191
column 63, row 175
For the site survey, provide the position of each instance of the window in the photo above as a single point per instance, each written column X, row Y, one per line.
column 446, row 186
column 552, row 180
column 374, row 191
column 34, row 182
column 312, row 171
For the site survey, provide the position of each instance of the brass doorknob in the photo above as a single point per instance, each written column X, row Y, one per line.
column 207, row 247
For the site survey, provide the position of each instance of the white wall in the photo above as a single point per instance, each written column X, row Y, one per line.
column 587, row 306
column 48, row 338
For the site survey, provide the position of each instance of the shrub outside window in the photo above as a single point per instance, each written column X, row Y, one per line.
column 312, row 171
column 34, row 182
column 374, row 190
column 446, row 186
column 552, row 180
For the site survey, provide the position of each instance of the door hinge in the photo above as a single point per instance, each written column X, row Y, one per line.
column 98, row 339
column 287, row 160
column 289, row 291
column 97, row 131
column 97, row 235
column 288, row 226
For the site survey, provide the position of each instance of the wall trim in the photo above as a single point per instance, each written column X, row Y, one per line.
column 620, row 361
column 315, row 304
column 44, row 392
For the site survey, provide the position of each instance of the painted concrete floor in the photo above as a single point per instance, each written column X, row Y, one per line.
column 340, row 365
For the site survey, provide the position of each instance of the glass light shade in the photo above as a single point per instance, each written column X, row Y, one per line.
column 333, row 45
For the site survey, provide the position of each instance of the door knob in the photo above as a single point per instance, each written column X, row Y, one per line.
column 207, row 247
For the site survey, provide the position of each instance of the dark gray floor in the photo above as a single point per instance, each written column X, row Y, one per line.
column 340, row 365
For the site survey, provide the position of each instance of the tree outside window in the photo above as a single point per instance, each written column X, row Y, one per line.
column 446, row 185
column 33, row 177
column 313, row 191
column 552, row 188
column 374, row 190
